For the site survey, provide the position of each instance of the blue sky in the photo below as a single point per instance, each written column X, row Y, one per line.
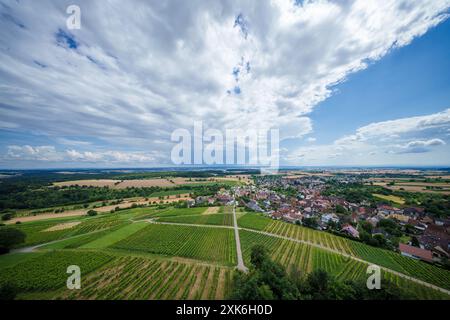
column 356, row 82
column 411, row 81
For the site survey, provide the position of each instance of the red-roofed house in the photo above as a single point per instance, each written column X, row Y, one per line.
column 415, row 253
column 349, row 229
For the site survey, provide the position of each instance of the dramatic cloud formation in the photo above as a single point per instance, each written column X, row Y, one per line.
column 135, row 72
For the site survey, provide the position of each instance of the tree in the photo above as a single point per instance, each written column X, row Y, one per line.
column 340, row 209
column 310, row 222
column 415, row 242
column 266, row 280
column 258, row 255
column 10, row 237
column 8, row 291
column 92, row 213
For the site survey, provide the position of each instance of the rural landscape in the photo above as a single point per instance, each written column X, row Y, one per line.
column 225, row 158
column 195, row 234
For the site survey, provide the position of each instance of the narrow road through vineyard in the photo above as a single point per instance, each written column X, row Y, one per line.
column 241, row 266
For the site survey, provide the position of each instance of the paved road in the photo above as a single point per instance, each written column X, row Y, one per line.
column 241, row 266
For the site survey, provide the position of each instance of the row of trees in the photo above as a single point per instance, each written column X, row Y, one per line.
column 54, row 196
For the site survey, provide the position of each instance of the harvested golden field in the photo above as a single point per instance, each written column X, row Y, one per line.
column 414, row 187
column 212, row 210
column 392, row 198
column 62, row 226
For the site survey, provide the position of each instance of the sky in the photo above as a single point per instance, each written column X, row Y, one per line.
column 360, row 83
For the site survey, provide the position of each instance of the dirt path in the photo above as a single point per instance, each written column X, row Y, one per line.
column 240, row 265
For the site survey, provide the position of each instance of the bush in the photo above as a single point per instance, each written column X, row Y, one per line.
column 92, row 213
column 6, row 217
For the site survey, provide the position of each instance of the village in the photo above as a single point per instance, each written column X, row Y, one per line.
column 409, row 230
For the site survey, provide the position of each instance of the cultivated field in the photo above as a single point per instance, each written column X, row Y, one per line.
column 207, row 244
column 138, row 278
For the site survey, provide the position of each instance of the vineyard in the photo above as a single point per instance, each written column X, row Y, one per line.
column 203, row 243
column 213, row 219
column 253, row 221
column 48, row 271
column 174, row 212
column 139, row 278
column 301, row 259
column 382, row 257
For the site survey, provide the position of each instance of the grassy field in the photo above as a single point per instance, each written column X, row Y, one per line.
column 37, row 232
column 115, row 236
column 208, row 244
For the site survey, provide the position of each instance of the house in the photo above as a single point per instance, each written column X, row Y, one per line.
column 417, row 225
column 400, row 217
column 293, row 217
column 252, row 204
column 435, row 236
column 190, row 203
column 354, row 217
column 350, row 230
column 414, row 211
column 373, row 221
column 385, row 209
column 427, row 220
column 329, row 217
column 415, row 253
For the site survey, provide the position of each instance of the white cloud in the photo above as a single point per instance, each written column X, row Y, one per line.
column 39, row 153
column 413, row 135
column 134, row 78
column 51, row 154
column 420, row 146
column 70, row 142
